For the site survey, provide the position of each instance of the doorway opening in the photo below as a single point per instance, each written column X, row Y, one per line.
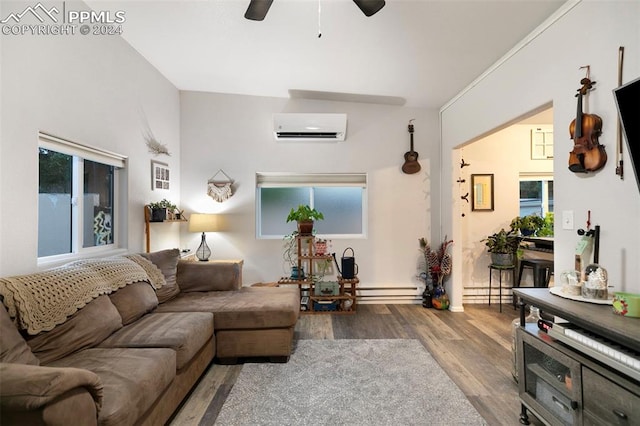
column 519, row 156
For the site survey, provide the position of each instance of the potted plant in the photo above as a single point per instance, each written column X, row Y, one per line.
column 161, row 210
column 290, row 255
column 527, row 225
column 547, row 229
column 438, row 265
column 503, row 247
column 305, row 216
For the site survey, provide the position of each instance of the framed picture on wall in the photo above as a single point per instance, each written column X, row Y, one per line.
column 160, row 176
column 482, row 192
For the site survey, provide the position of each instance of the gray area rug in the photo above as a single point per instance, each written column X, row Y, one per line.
column 356, row 382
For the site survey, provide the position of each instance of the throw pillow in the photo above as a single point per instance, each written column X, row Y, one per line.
column 84, row 329
column 167, row 262
column 134, row 300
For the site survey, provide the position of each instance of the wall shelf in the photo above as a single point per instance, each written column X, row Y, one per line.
column 148, row 221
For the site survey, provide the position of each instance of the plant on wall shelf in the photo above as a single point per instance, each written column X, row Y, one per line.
column 162, row 210
column 164, row 204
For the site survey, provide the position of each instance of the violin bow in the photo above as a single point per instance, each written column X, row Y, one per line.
column 620, row 169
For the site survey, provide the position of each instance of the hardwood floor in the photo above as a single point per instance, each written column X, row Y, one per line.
column 473, row 347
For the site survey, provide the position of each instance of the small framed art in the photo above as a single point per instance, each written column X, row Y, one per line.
column 160, row 176
column 482, row 192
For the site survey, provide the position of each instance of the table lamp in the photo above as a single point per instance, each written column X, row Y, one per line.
column 200, row 222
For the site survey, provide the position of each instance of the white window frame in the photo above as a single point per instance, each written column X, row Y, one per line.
column 542, row 143
column 545, row 178
column 292, row 180
column 81, row 152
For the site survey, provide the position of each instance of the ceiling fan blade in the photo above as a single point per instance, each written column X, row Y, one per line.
column 258, row 9
column 369, row 7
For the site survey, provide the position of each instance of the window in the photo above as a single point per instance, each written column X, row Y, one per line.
column 542, row 143
column 77, row 195
column 536, row 194
column 340, row 197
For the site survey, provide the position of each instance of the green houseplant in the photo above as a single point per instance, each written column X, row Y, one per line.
column 547, row 229
column 290, row 255
column 305, row 216
column 527, row 225
column 503, row 247
column 160, row 209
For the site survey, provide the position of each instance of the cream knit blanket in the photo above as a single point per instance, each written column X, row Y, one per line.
column 38, row 302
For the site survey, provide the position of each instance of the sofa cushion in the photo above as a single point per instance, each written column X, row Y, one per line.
column 167, row 262
column 184, row 332
column 86, row 328
column 13, row 347
column 134, row 300
column 247, row 308
column 133, row 379
column 194, row 275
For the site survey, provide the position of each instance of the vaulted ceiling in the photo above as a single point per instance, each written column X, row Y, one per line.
column 412, row 52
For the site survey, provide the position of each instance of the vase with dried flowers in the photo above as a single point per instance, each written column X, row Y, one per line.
column 438, row 265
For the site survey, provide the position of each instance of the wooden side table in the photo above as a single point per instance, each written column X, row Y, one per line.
column 192, row 258
column 261, row 284
column 501, row 269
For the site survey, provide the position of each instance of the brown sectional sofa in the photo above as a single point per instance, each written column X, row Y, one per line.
column 132, row 355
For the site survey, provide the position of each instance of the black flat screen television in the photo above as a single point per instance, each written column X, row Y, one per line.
column 627, row 99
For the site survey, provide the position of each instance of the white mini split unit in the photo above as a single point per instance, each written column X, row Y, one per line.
column 309, row 127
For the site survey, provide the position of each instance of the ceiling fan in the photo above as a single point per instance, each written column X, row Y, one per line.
column 258, row 9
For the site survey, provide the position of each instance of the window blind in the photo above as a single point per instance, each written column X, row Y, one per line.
column 64, row 146
column 275, row 180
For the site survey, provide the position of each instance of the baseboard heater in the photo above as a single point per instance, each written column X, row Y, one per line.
column 393, row 294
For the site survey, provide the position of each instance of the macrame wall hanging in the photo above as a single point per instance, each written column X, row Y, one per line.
column 220, row 189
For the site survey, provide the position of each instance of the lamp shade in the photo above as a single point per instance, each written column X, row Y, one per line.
column 201, row 222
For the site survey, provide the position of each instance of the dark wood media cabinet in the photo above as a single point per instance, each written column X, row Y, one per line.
column 563, row 385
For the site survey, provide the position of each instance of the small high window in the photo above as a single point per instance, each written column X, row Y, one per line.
column 340, row 197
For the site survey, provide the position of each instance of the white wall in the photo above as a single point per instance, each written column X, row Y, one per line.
column 234, row 133
column 505, row 154
column 94, row 90
column 546, row 70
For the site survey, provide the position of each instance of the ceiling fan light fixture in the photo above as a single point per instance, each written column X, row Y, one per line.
column 257, row 9
column 369, row 7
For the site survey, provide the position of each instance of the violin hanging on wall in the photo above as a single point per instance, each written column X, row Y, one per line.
column 588, row 155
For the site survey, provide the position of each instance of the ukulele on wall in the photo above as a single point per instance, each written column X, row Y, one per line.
column 411, row 164
column 588, row 155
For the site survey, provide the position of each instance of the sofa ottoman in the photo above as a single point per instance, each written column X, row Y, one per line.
column 249, row 322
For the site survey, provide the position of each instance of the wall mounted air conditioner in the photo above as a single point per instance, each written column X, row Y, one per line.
column 309, row 127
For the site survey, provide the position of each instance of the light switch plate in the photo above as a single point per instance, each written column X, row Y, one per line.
column 567, row 219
